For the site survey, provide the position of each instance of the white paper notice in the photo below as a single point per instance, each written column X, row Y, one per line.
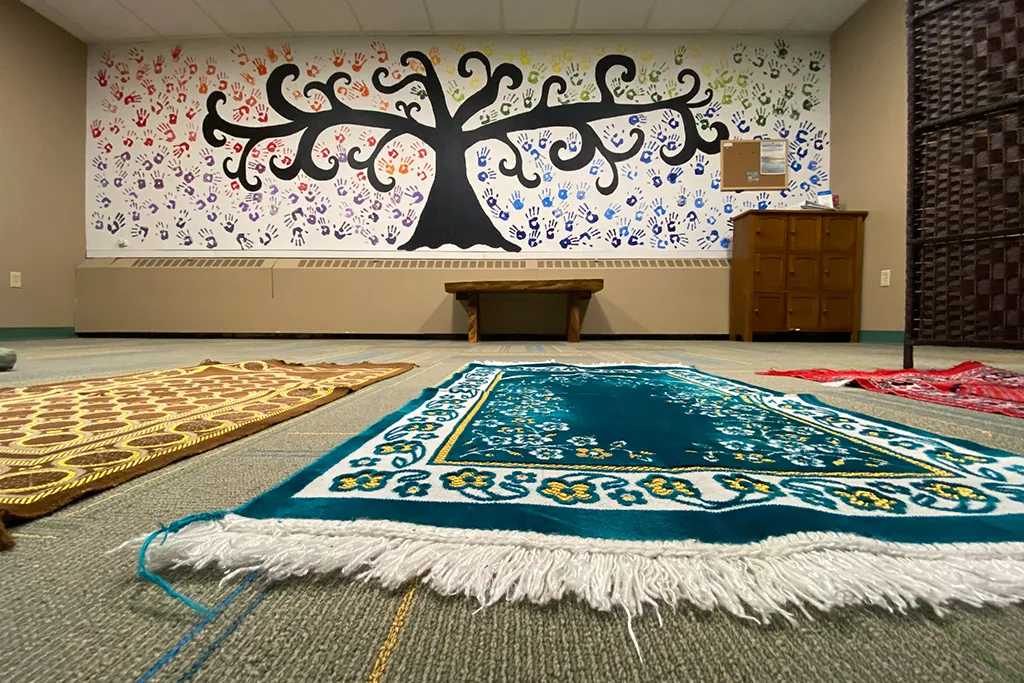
column 773, row 157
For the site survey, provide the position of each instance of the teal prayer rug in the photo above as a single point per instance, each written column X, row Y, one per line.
column 633, row 485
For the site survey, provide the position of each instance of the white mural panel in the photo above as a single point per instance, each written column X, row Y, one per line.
column 531, row 146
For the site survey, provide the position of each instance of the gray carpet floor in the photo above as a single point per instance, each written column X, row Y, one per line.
column 70, row 610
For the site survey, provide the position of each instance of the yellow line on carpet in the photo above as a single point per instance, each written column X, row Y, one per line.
column 19, row 535
column 323, row 433
column 388, row 646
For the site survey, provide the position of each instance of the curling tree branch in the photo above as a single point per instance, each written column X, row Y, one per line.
column 369, row 165
column 488, row 94
column 516, row 169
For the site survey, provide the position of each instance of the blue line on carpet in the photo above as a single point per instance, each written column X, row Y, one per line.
column 223, row 637
column 196, row 629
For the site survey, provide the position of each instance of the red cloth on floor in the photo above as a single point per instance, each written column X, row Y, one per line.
column 970, row 385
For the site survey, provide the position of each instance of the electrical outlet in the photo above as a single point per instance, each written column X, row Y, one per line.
column 15, row 279
column 886, row 275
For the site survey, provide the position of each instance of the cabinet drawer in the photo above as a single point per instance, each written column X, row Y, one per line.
column 837, row 312
column 803, row 272
column 837, row 272
column 804, row 233
column 770, row 233
column 769, row 312
column 801, row 312
column 770, row 272
column 839, row 233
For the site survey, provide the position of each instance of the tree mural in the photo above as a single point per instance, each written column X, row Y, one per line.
column 453, row 214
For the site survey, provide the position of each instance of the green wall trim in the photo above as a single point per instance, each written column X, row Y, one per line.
column 881, row 336
column 16, row 333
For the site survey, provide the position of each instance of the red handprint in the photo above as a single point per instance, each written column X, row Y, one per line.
column 97, row 128
column 318, row 102
column 141, row 116
column 322, row 150
column 237, row 91
column 286, row 52
column 382, row 52
column 358, row 59
column 339, row 57
column 109, row 106
column 115, row 125
column 176, row 52
column 108, row 59
column 101, row 78
column 248, row 78
column 132, row 98
column 261, row 66
column 341, row 134
column 297, row 94
column 240, row 113
column 273, row 146
column 239, row 52
column 116, row 91
column 170, row 85
column 360, row 88
column 368, row 138
column 382, row 104
column 271, row 55
column 129, row 140
column 104, row 146
column 424, row 171
column 180, row 149
column 262, row 113
column 148, row 142
column 204, row 86
column 192, row 111
column 158, row 65
column 136, row 54
column 192, row 134
column 149, row 85
column 183, row 76
column 159, row 104
column 420, row 149
column 211, row 66
column 222, row 81
column 394, row 150
column 168, row 132
column 193, row 67
column 182, row 96
column 142, row 71
column 251, row 99
column 313, row 68
column 126, row 74
column 172, row 116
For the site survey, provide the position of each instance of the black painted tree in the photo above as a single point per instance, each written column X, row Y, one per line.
column 452, row 213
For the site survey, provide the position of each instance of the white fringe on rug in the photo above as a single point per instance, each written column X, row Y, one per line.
column 818, row 569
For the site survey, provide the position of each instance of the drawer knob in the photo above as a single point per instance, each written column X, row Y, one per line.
column 827, row 232
column 791, row 311
column 792, row 272
column 757, row 272
column 757, row 232
column 826, row 271
column 757, row 311
column 825, row 313
column 793, row 231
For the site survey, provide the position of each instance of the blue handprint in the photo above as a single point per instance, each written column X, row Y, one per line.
column 499, row 213
column 533, row 217
column 613, row 237
column 763, row 202
column 670, row 120
column 818, row 178
column 482, row 157
column 634, row 198
column 820, row 140
column 563, row 190
column 805, row 129
column 588, row 214
column 716, row 181
column 707, row 241
column 740, row 122
column 569, row 221
column 729, row 205
column 659, row 208
column 581, row 191
column 794, row 162
column 524, row 142
column 546, row 173
column 612, row 211
column 635, row 237
column 613, row 136
column 654, row 225
column 691, row 220
column 674, row 174
column 517, row 201
column 549, row 232
column 712, row 109
column 655, row 177
column 647, row 155
column 699, row 161
column 573, row 142
column 546, row 199
column 490, row 198
column 672, row 221
column 543, row 138
column 712, row 217
column 595, row 168
column 486, row 176
column 638, row 215
column 815, row 163
column 672, row 143
column 698, row 199
column 637, row 119
column 790, row 188
column 781, row 129
column 629, row 171
column 535, row 239
column 516, row 233
column 659, row 134
column 682, row 198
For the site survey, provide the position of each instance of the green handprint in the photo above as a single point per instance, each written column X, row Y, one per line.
column 781, row 48
column 745, row 100
column 737, row 52
column 565, row 99
column 763, row 96
column 817, row 58
column 741, row 79
column 671, row 91
column 618, row 89
column 702, row 122
column 794, row 113
column 811, row 102
column 630, row 94
column 641, row 75
column 725, row 75
column 454, row 92
column 535, row 75
column 680, row 55
column 795, row 66
column 573, row 71
column 774, row 69
column 810, row 80
column 727, row 95
column 761, row 117
column 507, row 104
column 652, row 90
column 656, row 71
column 758, row 58
column 587, row 92
column 528, row 98
column 779, row 109
column 788, row 92
column 486, row 118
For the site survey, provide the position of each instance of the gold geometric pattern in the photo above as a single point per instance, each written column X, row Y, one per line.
column 58, row 441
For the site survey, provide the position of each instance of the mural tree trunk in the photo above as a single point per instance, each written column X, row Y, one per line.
column 453, row 215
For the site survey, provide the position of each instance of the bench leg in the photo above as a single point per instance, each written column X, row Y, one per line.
column 573, row 322
column 474, row 318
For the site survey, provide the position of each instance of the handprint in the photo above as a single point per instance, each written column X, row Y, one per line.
column 763, row 201
column 759, row 57
column 573, row 72
column 820, row 140
column 381, row 50
column 811, row 102
column 206, row 235
column 708, row 240
column 716, row 181
column 454, row 92
column 817, row 60
column 517, row 201
column 740, row 122
column 358, row 60
column 679, row 55
column 761, row 116
column 698, row 199
column 781, row 129
column 269, row 235
column 699, row 165
column 655, row 176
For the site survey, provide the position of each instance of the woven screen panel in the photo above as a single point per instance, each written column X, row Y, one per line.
column 970, row 290
column 967, row 56
column 969, row 177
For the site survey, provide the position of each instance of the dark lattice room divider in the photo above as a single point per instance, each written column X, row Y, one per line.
column 965, row 226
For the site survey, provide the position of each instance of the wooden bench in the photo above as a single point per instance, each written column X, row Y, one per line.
column 575, row 289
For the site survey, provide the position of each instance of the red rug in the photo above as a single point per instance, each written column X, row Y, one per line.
column 970, row 385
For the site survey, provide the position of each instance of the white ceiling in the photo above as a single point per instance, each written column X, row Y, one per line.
column 114, row 20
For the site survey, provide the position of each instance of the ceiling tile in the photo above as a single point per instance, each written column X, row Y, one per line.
column 179, row 20
column 612, row 15
column 465, row 16
column 824, row 17
column 318, row 16
column 758, row 15
column 56, row 17
column 686, row 15
column 391, row 16
column 245, row 17
column 539, row 16
column 104, row 19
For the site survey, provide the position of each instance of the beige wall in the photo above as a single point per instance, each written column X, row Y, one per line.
column 42, row 168
column 869, row 147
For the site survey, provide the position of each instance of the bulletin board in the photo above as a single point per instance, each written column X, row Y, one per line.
column 754, row 164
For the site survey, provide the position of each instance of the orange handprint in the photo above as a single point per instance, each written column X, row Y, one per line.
column 403, row 167
column 358, row 59
column 248, row 78
column 318, row 102
column 385, row 166
column 261, row 66
column 271, row 55
column 313, row 68
column 435, row 55
column 286, row 52
column 382, row 104
column 382, row 52
column 240, row 54
column 360, row 89
column 211, row 66
column 204, row 85
column 339, row 57
column 193, row 67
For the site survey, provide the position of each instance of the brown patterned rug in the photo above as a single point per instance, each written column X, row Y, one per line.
column 60, row 441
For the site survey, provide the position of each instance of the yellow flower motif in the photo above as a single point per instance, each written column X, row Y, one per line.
column 961, row 458
column 744, row 484
column 755, row 458
column 868, row 499
column 525, row 420
column 596, row 453
column 564, row 492
column 469, row 477
column 367, row 480
column 510, row 430
column 953, row 492
column 664, row 487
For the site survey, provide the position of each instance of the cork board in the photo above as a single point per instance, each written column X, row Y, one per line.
column 755, row 164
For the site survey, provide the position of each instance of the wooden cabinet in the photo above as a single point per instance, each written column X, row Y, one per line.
column 796, row 271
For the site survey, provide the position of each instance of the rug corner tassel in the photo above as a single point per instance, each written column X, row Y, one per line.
column 174, row 527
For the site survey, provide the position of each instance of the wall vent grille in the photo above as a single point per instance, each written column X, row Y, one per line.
column 411, row 264
column 606, row 264
column 197, row 263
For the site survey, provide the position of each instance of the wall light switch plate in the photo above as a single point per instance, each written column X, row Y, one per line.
column 886, row 276
column 15, row 279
